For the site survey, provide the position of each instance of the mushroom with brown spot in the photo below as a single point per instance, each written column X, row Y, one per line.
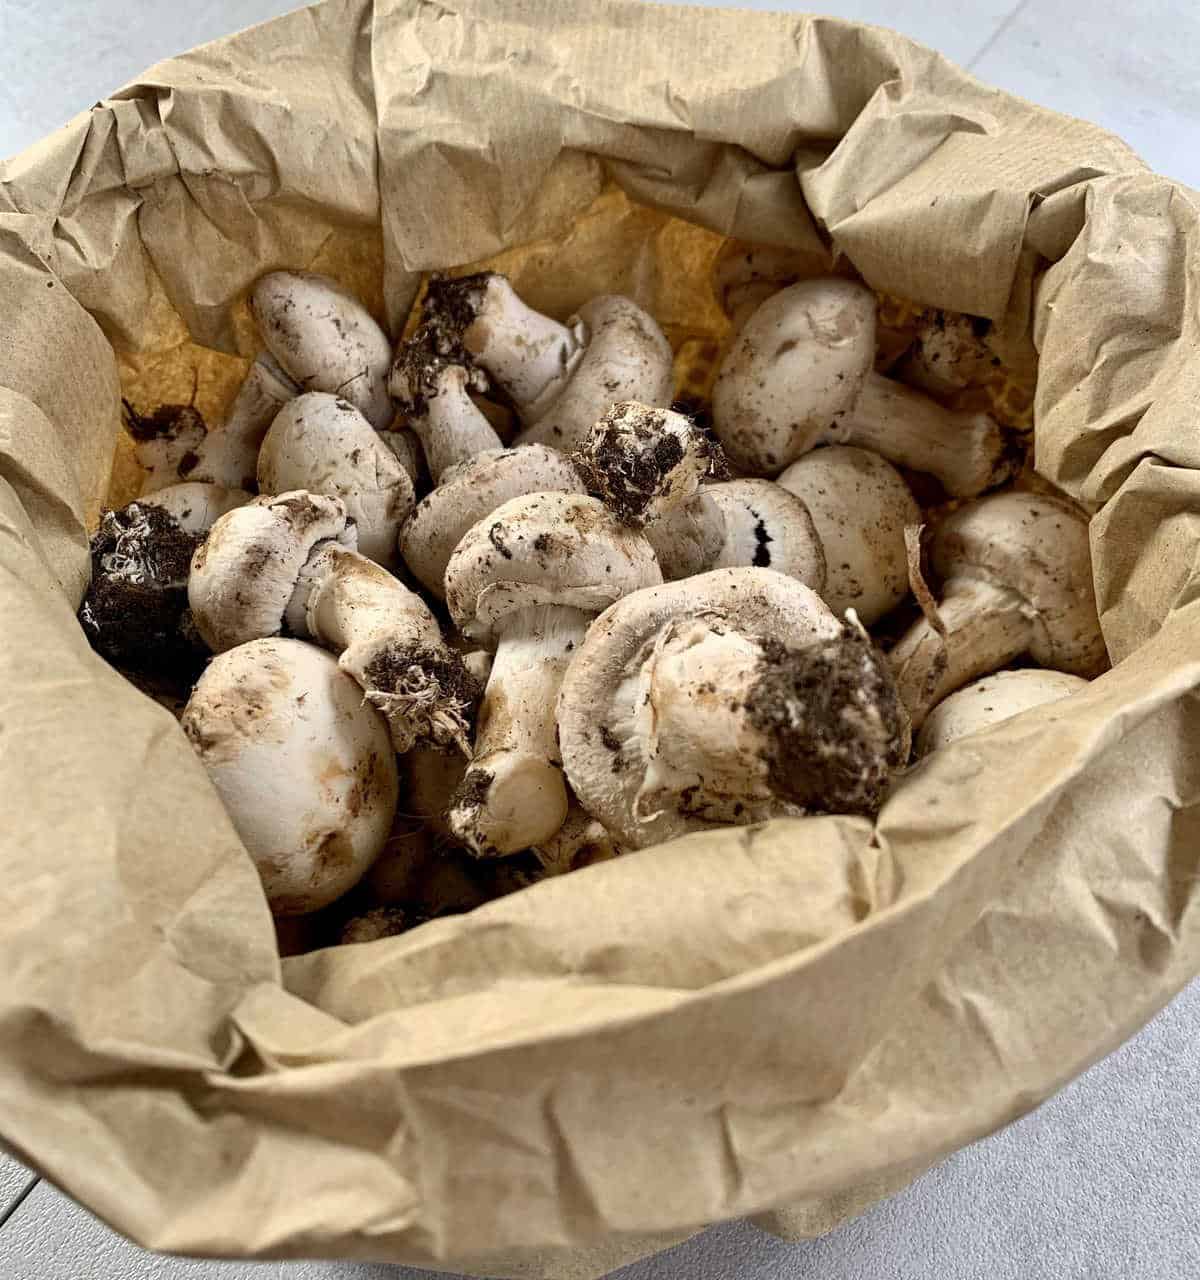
column 728, row 698
column 799, row 373
column 1016, row 577
column 303, row 766
column 325, row 339
column 470, row 491
column 323, row 444
column 860, row 506
column 526, row 581
column 993, row 700
column 561, row 377
column 289, row 560
column 650, row 465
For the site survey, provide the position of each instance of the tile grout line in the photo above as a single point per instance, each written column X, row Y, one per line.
column 994, row 38
column 19, row 1200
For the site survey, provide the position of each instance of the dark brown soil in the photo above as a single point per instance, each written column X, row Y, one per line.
column 628, row 459
column 833, row 720
column 135, row 611
column 165, row 423
column 435, row 679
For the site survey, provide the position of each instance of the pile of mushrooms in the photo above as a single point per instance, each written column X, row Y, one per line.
column 446, row 616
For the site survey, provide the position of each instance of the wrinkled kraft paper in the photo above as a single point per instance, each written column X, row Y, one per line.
column 785, row 1021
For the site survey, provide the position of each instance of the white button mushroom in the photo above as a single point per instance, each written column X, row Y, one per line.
column 325, row 339
column 560, row 377
column 992, row 700
column 649, row 466
column 135, row 609
column 860, row 506
column 289, row 560
column 799, row 373
column 470, row 491
column 172, row 444
column 1016, row 576
column 948, row 350
column 728, row 698
column 303, row 766
column 526, row 581
column 432, row 392
column 321, row 443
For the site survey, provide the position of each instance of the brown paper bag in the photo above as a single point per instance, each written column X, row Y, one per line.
column 804, row 1014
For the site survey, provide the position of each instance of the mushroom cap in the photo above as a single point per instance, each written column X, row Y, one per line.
column 1037, row 546
column 796, row 365
column 305, row 770
column 767, row 527
column 470, row 491
column 544, row 549
column 325, row 339
column 860, row 506
column 627, row 357
column 605, row 766
column 992, row 700
column 195, row 504
column 322, row 443
column 243, row 577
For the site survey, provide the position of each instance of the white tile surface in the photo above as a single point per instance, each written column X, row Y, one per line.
column 1131, row 67
column 14, row 1178
column 1098, row 1185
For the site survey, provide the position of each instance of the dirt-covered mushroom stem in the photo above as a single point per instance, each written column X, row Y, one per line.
column 730, row 698
column 526, row 581
column 650, row 466
column 172, row 444
column 1016, row 579
column 433, row 392
column 288, row 562
column 560, row 378
column 482, row 318
column 135, row 609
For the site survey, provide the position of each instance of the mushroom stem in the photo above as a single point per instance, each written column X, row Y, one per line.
column 513, row 794
column 967, row 452
column 528, row 353
column 389, row 642
column 648, row 465
column 986, row 627
column 734, row 721
column 452, row 428
column 227, row 455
